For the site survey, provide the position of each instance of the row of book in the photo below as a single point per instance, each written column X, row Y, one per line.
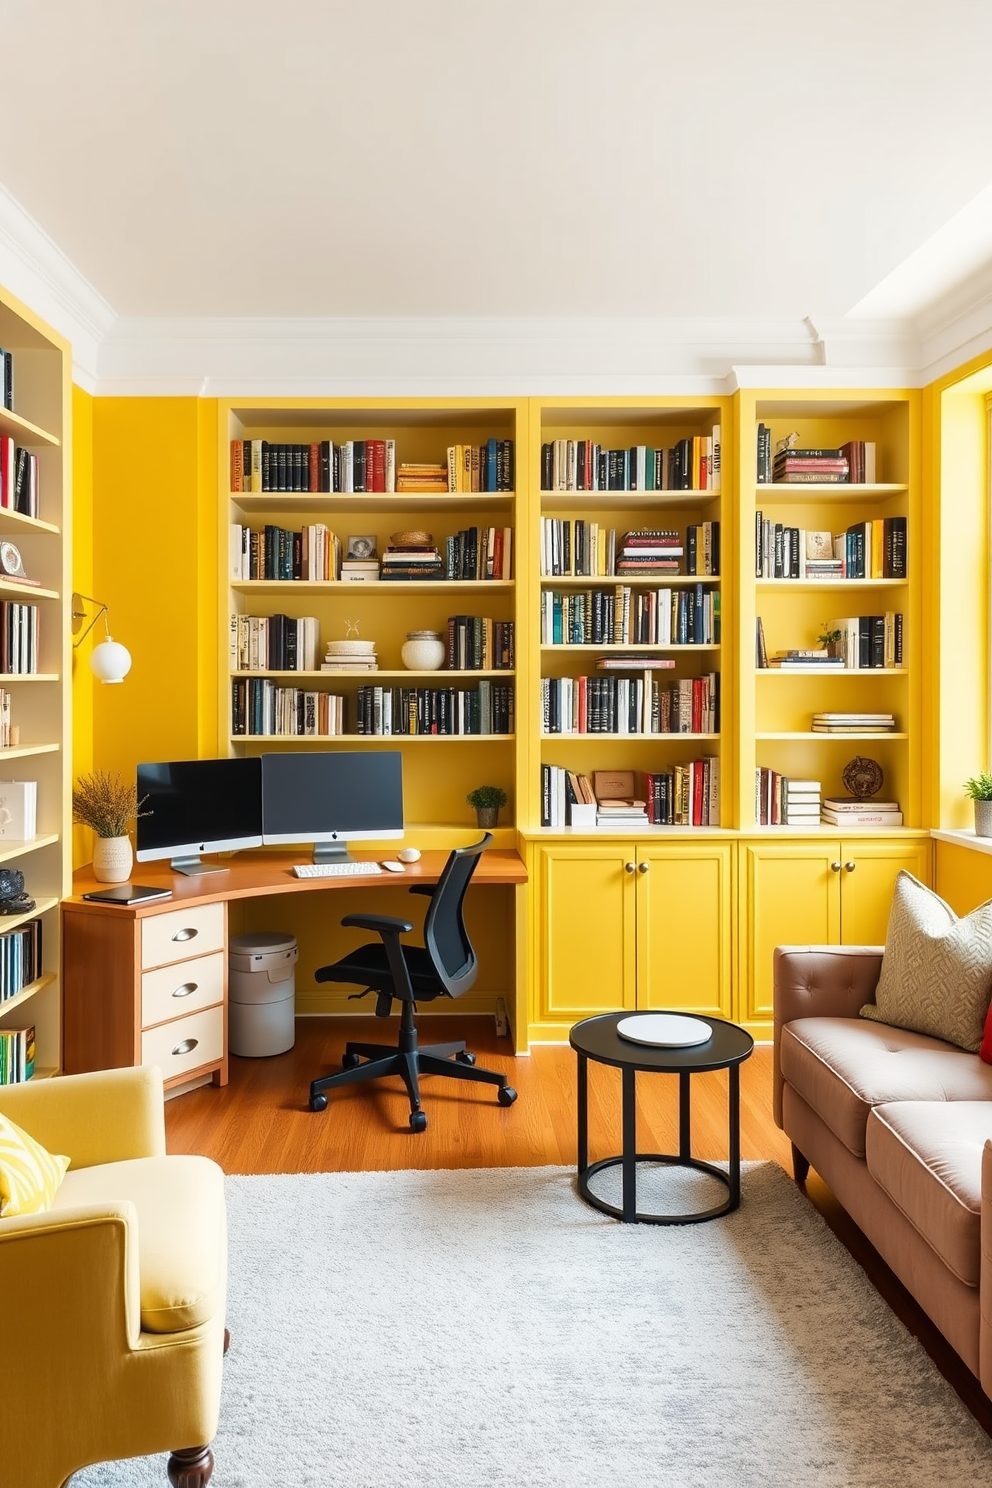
column 691, row 464
column 625, row 616
column 479, row 643
column 630, row 705
column 576, row 548
column 852, row 462
column 19, row 637
column 853, row 723
column 856, row 643
column 260, row 707
column 686, row 795
column 782, row 801
column 311, row 554
column 366, row 465
column 20, row 958
column 18, row 478
column 274, row 643
column 17, row 1055
column 874, row 549
column 408, row 711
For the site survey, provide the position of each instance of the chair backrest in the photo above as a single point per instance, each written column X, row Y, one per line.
column 445, row 935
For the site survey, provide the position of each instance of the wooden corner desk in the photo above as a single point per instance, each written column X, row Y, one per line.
column 147, row 983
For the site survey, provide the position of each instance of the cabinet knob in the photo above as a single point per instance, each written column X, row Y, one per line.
column 628, row 867
column 834, row 867
column 643, row 867
column 849, row 867
column 186, row 1046
column 185, row 989
column 187, row 934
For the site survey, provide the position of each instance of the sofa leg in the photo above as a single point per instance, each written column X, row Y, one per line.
column 800, row 1165
column 227, row 1339
column 190, row 1467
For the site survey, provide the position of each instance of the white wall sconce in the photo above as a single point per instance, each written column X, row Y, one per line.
column 110, row 661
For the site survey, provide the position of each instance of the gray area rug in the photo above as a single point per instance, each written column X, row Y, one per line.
column 485, row 1326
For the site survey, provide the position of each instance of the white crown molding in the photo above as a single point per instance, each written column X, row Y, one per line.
column 35, row 269
column 958, row 326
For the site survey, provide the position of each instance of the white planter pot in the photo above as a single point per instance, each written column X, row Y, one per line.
column 983, row 818
column 112, row 859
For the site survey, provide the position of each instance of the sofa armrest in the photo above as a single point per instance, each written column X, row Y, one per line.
column 106, row 1116
column 985, row 1276
column 820, row 982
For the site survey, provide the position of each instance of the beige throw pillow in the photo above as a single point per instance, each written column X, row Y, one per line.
column 936, row 973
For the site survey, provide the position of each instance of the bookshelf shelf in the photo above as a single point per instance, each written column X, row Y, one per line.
column 6, row 678
column 555, row 648
column 11, row 922
column 384, row 674
column 25, row 432
column 10, row 1004
column 24, row 751
column 9, row 850
column 350, row 591
column 834, row 494
column 656, row 501
column 325, row 740
column 17, row 522
column 810, row 584
column 831, row 738
column 614, row 739
column 818, row 671
column 282, row 504
column 656, row 581
column 25, row 593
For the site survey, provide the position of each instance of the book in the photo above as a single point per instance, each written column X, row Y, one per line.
column 840, row 805
column 613, row 784
column 862, row 818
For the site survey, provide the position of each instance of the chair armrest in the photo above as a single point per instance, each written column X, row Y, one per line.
column 106, row 1116
column 379, row 924
column 820, row 982
column 429, row 889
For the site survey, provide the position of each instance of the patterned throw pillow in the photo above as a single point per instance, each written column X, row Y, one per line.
column 936, row 975
column 29, row 1175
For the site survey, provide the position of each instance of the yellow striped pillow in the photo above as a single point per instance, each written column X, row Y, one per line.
column 29, row 1175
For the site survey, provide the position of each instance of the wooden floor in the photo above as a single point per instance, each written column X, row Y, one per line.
column 261, row 1123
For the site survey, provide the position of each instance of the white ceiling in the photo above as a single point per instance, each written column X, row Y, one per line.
column 736, row 160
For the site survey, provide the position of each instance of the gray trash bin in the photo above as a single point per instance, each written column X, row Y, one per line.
column 262, row 993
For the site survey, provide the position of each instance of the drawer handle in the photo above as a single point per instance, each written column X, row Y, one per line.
column 849, row 867
column 643, row 867
column 186, row 1046
column 835, row 867
column 187, row 934
column 628, row 867
column 185, row 989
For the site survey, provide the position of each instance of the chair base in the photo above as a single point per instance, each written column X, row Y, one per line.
column 381, row 1060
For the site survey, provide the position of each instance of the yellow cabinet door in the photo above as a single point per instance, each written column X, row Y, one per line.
column 792, row 897
column 588, row 903
column 685, row 927
column 868, row 874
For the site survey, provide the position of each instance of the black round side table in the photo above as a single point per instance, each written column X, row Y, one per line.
column 726, row 1048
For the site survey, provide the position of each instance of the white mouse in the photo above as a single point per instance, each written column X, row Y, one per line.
column 408, row 854
column 393, row 866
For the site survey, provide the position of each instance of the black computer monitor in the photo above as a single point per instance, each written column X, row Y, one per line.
column 198, row 806
column 331, row 798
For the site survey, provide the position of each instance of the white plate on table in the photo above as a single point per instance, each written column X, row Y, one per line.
column 664, row 1030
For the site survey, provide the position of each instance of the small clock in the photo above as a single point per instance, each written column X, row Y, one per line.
column 10, row 561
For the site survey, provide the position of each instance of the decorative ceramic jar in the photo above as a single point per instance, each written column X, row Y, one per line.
column 423, row 651
column 112, row 859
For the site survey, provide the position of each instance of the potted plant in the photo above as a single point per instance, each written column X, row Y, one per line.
column 487, row 799
column 107, row 803
column 829, row 637
column 979, row 788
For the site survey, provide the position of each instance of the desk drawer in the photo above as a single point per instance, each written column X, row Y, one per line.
column 175, row 991
column 186, row 1043
column 181, row 933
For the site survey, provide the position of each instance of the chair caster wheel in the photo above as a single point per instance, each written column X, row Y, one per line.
column 418, row 1121
column 465, row 1057
column 506, row 1095
column 318, row 1102
column 349, row 1061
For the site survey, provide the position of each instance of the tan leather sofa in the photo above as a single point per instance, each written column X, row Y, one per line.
column 114, row 1300
column 897, row 1124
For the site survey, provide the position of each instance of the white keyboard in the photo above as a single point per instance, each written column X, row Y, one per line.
column 335, row 870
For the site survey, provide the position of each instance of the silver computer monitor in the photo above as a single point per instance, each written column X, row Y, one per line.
column 330, row 798
column 191, row 807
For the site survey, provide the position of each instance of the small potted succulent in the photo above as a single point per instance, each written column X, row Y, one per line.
column 979, row 788
column 108, row 804
column 487, row 799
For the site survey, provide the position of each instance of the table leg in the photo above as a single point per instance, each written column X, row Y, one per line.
column 582, row 1109
column 734, row 1173
column 629, row 1148
column 685, row 1117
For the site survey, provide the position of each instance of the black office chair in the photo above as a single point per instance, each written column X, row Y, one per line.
column 444, row 966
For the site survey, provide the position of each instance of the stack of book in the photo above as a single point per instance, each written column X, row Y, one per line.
column 359, row 571
column 802, row 803
column 860, row 455
column 649, row 551
column 16, row 1055
column 854, row 723
column 616, row 803
column 810, row 465
column 805, row 659
column 849, row 811
column 424, row 476
column 350, row 656
column 411, row 555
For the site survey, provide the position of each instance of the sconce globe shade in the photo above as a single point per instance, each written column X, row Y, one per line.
column 110, row 661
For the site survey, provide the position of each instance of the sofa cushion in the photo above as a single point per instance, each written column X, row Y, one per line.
column 29, row 1174
column 928, row 1159
column 182, row 1241
column 843, row 1066
column 936, row 975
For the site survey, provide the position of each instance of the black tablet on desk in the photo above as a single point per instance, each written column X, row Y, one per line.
column 127, row 893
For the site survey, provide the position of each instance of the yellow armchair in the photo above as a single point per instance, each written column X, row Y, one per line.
column 114, row 1300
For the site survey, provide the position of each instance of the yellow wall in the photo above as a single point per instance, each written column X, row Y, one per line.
column 154, row 563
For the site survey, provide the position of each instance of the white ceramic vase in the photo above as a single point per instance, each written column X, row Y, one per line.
column 423, row 651
column 112, row 859
column 983, row 818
